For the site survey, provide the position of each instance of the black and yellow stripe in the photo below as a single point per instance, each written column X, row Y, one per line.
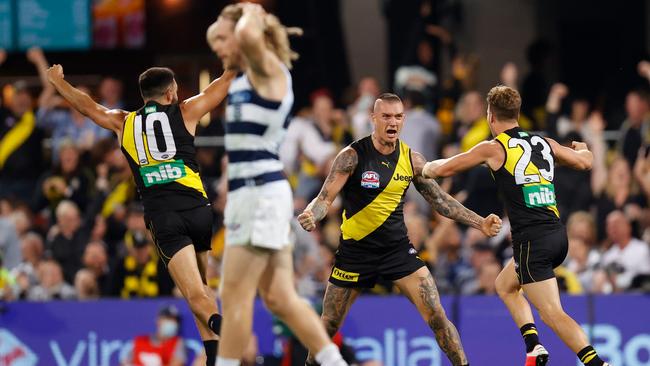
column 374, row 214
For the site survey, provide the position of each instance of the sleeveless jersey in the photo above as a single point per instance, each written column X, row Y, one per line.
column 161, row 154
column 255, row 127
column 525, row 181
column 373, row 196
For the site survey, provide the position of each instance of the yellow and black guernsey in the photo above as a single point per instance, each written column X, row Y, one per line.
column 161, row 154
column 373, row 196
column 525, row 182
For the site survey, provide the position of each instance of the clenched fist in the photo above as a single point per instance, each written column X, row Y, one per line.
column 578, row 146
column 491, row 225
column 307, row 220
column 55, row 73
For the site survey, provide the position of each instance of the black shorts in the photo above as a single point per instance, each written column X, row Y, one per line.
column 174, row 230
column 536, row 258
column 358, row 266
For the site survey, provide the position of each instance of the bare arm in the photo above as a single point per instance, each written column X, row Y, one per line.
column 343, row 166
column 249, row 32
column 36, row 56
column 197, row 106
column 489, row 152
column 107, row 118
column 579, row 157
column 446, row 205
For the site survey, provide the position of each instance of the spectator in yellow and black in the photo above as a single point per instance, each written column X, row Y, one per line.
column 67, row 180
column 471, row 126
column 140, row 273
column 21, row 155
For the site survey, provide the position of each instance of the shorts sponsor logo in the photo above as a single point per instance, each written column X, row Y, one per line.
column 403, row 178
column 345, row 276
column 162, row 173
column 539, row 195
column 370, row 179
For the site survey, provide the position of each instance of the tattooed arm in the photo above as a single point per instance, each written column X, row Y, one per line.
column 446, row 205
column 342, row 168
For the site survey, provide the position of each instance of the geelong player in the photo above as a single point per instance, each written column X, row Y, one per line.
column 259, row 203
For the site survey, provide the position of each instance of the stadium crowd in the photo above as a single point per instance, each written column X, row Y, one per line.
column 71, row 226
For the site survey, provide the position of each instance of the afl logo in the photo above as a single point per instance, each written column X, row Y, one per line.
column 370, row 179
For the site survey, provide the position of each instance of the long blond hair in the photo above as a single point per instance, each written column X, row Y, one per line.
column 276, row 35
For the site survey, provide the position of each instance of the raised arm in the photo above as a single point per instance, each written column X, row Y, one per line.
column 249, row 32
column 36, row 56
column 197, row 106
column 342, row 167
column 111, row 119
column 578, row 157
column 489, row 152
column 446, row 205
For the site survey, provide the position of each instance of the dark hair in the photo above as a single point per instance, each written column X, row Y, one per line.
column 504, row 102
column 155, row 81
column 389, row 97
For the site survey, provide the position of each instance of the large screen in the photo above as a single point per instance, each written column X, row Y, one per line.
column 6, row 25
column 53, row 24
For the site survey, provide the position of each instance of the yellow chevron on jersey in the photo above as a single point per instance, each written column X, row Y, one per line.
column 373, row 215
column 513, row 156
column 155, row 171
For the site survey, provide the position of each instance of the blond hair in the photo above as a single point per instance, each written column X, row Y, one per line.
column 276, row 35
column 504, row 102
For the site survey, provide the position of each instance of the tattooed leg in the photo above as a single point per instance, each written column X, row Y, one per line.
column 421, row 289
column 336, row 304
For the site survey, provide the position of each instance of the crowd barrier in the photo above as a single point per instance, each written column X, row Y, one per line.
column 389, row 329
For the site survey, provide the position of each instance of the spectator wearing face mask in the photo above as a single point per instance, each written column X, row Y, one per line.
column 164, row 347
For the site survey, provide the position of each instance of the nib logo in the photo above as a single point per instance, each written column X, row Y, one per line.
column 13, row 352
column 162, row 173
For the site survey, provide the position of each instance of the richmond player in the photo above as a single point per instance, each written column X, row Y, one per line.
column 158, row 142
column 523, row 166
column 373, row 174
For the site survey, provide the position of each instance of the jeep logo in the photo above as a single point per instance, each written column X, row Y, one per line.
column 402, row 178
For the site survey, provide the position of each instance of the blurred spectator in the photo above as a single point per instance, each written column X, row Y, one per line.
column 360, row 110
column 9, row 243
column 306, row 261
column 509, row 75
column 95, row 260
column 164, row 347
column 418, row 75
column 31, row 248
column 20, row 145
column 618, row 193
column 471, row 126
column 140, row 273
column 110, row 93
column 85, row 285
column 535, row 84
column 453, row 272
column 51, row 285
column 7, row 282
column 67, row 239
column 67, row 180
column 635, row 130
column 628, row 256
column 643, row 67
column 487, row 276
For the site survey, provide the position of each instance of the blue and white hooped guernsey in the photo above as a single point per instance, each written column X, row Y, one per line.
column 255, row 128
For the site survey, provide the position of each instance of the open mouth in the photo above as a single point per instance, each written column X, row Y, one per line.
column 391, row 132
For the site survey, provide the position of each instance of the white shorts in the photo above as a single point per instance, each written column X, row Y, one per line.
column 259, row 215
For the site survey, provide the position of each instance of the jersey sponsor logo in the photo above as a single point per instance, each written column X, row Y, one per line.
column 243, row 96
column 344, row 275
column 162, row 173
column 386, row 164
column 539, row 195
column 403, row 178
column 150, row 109
column 370, row 179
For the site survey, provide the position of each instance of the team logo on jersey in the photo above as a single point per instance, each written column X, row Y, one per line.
column 539, row 195
column 162, row 173
column 370, row 179
column 344, row 275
